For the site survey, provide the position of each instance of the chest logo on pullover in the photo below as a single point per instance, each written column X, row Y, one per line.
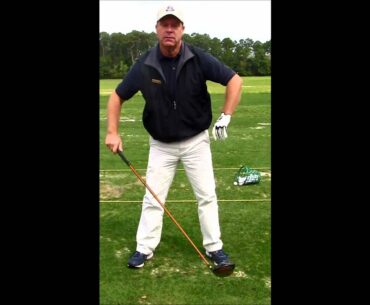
column 156, row 81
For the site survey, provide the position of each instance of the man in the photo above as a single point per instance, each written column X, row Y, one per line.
column 177, row 114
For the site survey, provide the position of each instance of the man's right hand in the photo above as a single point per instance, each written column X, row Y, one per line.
column 113, row 142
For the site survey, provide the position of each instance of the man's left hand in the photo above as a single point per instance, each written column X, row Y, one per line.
column 219, row 130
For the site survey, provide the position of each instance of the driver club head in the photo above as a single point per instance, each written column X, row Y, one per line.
column 223, row 269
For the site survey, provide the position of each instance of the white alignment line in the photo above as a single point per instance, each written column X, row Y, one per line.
column 179, row 169
column 185, row 200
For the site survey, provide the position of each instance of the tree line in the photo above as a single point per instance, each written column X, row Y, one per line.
column 119, row 51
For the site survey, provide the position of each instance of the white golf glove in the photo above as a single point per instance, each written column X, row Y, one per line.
column 219, row 130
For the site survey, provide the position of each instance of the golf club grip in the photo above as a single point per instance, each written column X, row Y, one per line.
column 124, row 158
column 162, row 205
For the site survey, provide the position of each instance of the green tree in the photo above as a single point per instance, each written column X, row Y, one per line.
column 262, row 63
column 105, row 65
column 228, row 53
column 104, row 41
column 118, row 52
column 215, row 47
column 242, row 53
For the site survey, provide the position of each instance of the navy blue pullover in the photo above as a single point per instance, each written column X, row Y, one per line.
column 177, row 103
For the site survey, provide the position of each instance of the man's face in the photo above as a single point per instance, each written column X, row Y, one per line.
column 169, row 31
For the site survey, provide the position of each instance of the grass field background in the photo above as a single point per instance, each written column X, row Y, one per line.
column 176, row 275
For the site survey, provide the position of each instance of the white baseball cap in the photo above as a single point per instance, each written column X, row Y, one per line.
column 170, row 9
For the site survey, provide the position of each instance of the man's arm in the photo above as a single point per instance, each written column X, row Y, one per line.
column 232, row 95
column 112, row 139
column 232, row 98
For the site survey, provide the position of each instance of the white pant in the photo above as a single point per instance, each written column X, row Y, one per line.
column 195, row 154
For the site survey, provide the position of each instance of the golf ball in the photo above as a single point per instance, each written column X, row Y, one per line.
column 235, row 183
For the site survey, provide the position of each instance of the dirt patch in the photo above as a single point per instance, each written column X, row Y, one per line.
column 266, row 174
column 267, row 281
column 240, row 274
column 108, row 191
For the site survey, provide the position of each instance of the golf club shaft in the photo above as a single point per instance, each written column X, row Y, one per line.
column 162, row 205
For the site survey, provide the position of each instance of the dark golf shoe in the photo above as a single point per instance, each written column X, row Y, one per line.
column 137, row 259
column 219, row 257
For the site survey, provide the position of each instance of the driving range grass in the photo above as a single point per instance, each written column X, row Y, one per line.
column 176, row 275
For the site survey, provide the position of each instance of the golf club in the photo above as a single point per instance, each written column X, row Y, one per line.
column 219, row 270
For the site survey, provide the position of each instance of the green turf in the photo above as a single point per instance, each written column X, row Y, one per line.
column 176, row 275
